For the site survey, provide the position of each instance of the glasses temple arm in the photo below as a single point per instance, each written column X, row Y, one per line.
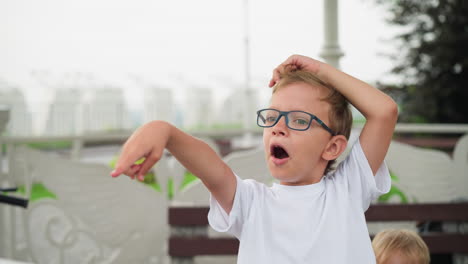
column 324, row 126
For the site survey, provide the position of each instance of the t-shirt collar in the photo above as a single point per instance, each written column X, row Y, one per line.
column 309, row 189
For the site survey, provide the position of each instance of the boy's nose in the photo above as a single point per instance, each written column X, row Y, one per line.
column 280, row 128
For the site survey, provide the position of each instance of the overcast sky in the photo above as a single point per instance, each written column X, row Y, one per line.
column 195, row 39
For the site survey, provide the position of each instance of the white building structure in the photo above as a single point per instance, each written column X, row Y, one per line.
column 232, row 111
column 158, row 104
column 105, row 111
column 199, row 109
column 20, row 123
column 65, row 115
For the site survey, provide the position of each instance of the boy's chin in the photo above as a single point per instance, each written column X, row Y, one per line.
column 280, row 176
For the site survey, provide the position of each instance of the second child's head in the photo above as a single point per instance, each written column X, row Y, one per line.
column 307, row 126
column 400, row 247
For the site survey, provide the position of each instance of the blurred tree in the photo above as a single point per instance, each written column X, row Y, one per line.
column 432, row 59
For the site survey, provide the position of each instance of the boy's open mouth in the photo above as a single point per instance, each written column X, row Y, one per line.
column 279, row 152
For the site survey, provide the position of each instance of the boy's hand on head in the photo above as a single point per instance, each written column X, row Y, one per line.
column 147, row 143
column 295, row 62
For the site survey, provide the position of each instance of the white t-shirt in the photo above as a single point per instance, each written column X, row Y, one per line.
column 317, row 223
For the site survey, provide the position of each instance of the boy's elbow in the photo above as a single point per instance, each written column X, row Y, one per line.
column 385, row 112
column 392, row 111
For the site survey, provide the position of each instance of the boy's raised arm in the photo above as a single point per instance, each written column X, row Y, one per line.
column 149, row 142
column 380, row 110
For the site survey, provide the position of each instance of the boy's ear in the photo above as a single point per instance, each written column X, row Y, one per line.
column 335, row 147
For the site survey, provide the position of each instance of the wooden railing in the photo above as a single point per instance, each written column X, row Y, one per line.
column 189, row 229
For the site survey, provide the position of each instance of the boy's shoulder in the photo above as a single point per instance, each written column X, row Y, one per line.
column 251, row 184
column 352, row 162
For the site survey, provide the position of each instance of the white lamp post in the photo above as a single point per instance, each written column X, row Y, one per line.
column 331, row 51
column 247, row 111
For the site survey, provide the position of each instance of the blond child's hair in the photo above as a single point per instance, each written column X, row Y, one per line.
column 406, row 243
column 340, row 116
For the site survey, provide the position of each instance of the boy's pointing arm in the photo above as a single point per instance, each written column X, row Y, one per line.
column 149, row 142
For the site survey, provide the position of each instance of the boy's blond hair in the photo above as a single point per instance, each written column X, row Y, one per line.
column 339, row 115
column 404, row 242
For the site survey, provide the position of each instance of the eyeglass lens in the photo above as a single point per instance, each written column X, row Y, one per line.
column 295, row 119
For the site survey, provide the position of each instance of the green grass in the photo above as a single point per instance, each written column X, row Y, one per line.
column 188, row 178
column 394, row 191
column 51, row 145
column 38, row 191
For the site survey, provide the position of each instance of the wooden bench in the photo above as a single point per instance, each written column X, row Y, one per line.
column 189, row 228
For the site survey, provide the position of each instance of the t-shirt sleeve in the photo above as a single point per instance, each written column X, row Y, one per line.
column 233, row 222
column 356, row 174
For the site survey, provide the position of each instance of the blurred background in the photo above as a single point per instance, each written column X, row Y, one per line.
column 77, row 77
column 113, row 65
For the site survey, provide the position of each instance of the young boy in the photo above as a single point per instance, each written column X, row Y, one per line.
column 310, row 216
column 400, row 246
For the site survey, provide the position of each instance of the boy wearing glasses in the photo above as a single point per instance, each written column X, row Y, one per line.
column 313, row 215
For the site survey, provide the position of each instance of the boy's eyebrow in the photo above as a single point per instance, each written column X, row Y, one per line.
column 291, row 110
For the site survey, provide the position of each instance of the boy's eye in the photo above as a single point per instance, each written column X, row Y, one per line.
column 270, row 119
column 301, row 122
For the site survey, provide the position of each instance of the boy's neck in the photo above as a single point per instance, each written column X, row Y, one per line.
column 309, row 180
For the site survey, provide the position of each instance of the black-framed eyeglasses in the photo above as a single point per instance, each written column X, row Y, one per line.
column 295, row 120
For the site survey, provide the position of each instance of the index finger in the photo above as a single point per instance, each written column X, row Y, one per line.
column 125, row 161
